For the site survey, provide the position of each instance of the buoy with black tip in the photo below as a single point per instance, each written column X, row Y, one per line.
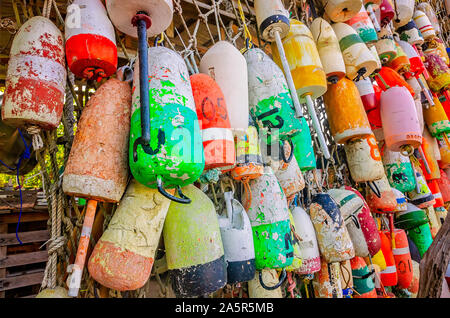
column 237, row 239
column 307, row 241
column 194, row 247
column 403, row 12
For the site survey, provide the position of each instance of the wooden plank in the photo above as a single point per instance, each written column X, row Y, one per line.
column 29, row 296
column 24, row 259
column 26, row 217
column 3, row 249
column 21, row 281
column 25, row 237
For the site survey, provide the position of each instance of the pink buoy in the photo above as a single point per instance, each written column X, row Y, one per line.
column 401, row 126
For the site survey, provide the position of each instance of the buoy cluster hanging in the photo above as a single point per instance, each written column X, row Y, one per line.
column 290, row 214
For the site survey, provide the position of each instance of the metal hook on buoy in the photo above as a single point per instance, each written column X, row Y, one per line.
column 183, row 199
column 282, row 279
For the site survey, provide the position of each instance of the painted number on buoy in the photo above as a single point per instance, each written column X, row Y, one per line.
column 209, row 111
column 269, row 123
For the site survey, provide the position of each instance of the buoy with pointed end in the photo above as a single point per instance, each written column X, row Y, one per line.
column 124, row 255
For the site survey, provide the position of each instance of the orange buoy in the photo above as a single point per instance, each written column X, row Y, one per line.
column 436, row 191
column 387, row 78
column 400, row 63
column 389, row 276
column 97, row 167
column 212, row 113
column 414, row 287
column 436, row 118
column 91, row 49
column 327, row 282
column 402, row 257
column 345, row 111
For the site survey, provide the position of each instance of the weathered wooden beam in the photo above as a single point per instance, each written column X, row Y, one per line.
column 23, row 259
column 25, row 237
column 26, row 217
column 434, row 263
column 21, row 281
column 3, row 250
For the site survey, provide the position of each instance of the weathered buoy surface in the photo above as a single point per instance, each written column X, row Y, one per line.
column 237, row 238
column 97, row 167
column 304, row 61
column 327, row 282
column 212, row 113
column 421, row 195
column 364, row 159
column 411, row 218
column 122, row 12
column 36, row 76
column 329, row 51
column 410, row 33
column 303, row 148
column 91, row 49
column 307, row 241
column 362, row 24
column 270, row 101
column 368, row 225
column 175, row 152
column 429, row 12
column 424, row 24
column 345, row 111
column 350, row 206
column 403, row 13
column 291, row 179
column 358, row 59
column 124, row 255
column 249, row 163
column 270, row 278
column 194, row 248
column 269, row 217
column 226, row 65
column 341, row 10
column 389, row 275
column 334, row 240
column 58, row 292
column 436, row 118
column 399, row 170
column 421, row 236
column 383, row 200
column 270, row 16
column 439, row 72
